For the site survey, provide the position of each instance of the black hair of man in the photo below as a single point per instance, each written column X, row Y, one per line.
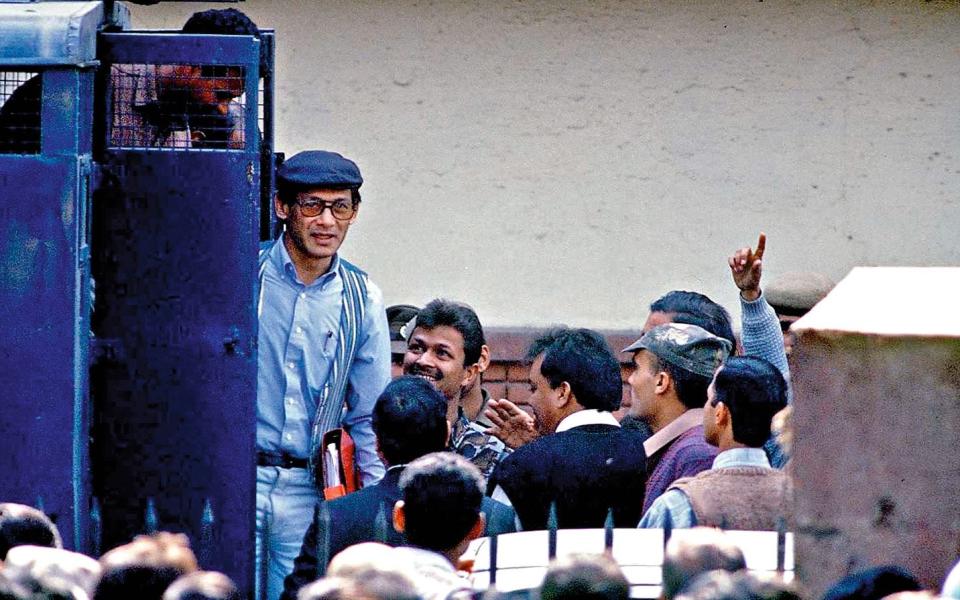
column 753, row 390
column 694, row 308
column 873, row 584
column 441, row 493
column 585, row 577
column 202, row 585
column 410, row 420
column 583, row 359
column 691, row 388
column 706, row 549
column 22, row 525
column 227, row 21
column 459, row 316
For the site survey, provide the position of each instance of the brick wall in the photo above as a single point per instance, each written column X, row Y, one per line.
column 507, row 375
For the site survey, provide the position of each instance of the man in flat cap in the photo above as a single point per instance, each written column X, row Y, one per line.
column 324, row 352
column 674, row 364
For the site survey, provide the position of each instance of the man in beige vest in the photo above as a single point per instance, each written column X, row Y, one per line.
column 742, row 490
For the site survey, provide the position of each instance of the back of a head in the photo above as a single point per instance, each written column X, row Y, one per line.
column 410, row 420
column 702, row 549
column 202, row 585
column 873, row 584
column 52, row 572
column 442, row 493
column 459, row 316
column 697, row 309
column 22, row 525
column 367, row 585
column 739, row 585
column 582, row 358
column 227, row 21
column 754, row 391
column 145, row 567
column 584, row 576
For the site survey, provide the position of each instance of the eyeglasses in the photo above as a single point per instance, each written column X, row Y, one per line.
column 343, row 210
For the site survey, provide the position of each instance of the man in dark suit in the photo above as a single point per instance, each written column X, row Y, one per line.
column 583, row 460
column 409, row 421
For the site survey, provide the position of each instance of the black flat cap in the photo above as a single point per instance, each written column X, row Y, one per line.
column 319, row 168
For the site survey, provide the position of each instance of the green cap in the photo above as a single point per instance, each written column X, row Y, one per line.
column 688, row 347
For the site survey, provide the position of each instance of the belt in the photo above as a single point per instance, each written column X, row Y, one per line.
column 280, row 459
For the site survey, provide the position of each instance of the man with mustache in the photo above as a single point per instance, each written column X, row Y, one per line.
column 447, row 348
column 324, row 352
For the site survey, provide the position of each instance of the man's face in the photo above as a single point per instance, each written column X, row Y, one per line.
column 710, row 432
column 319, row 237
column 642, row 381
column 543, row 400
column 437, row 355
column 216, row 89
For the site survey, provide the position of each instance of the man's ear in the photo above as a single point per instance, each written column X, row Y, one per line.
column 722, row 415
column 663, row 383
column 484, row 361
column 470, row 375
column 356, row 211
column 478, row 528
column 282, row 210
column 564, row 395
column 399, row 517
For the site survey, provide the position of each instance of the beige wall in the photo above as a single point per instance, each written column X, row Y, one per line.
column 570, row 161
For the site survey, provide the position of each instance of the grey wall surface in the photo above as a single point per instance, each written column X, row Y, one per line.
column 559, row 161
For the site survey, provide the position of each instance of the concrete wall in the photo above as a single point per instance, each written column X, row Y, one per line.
column 561, row 161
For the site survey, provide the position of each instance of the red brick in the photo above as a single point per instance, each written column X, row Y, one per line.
column 496, row 372
column 518, row 392
column 496, row 390
column 518, row 372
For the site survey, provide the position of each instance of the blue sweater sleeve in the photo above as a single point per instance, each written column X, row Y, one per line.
column 762, row 336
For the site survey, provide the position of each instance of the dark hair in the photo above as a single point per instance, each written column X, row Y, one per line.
column 704, row 550
column 227, row 21
column 441, row 312
column 873, row 584
column 694, row 308
column 691, row 387
column 583, row 359
column 410, row 420
column 22, row 525
column 753, row 390
column 587, row 576
column 202, row 585
column 143, row 581
column 442, row 493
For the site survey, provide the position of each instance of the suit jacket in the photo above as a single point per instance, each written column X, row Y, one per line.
column 353, row 520
column 587, row 470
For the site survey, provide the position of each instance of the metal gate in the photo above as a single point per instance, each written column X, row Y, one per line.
column 175, row 239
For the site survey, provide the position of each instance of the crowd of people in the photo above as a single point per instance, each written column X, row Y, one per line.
column 441, row 507
column 699, row 441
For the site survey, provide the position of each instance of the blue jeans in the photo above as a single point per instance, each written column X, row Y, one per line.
column 285, row 502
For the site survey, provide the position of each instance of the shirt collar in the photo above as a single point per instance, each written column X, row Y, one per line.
column 673, row 430
column 285, row 263
column 587, row 416
column 742, row 457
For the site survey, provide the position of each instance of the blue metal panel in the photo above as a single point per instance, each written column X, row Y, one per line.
column 53, row 33
column 175, row 258
column 43, row 338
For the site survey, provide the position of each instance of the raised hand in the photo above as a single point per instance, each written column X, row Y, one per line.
column 513, row 426
column 746, row 266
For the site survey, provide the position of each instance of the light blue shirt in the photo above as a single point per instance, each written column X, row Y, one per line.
column 296, row 344
column 676, row 504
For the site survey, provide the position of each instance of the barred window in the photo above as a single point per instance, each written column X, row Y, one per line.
column 177, row 107
column 20, row 93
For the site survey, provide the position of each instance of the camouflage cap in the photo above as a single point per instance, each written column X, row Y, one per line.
column 689, row 347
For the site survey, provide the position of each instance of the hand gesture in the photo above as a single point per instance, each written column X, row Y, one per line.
column 746, row 266
column 511, row 425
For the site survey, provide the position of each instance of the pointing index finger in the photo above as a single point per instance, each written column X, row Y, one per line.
column 761, row 246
